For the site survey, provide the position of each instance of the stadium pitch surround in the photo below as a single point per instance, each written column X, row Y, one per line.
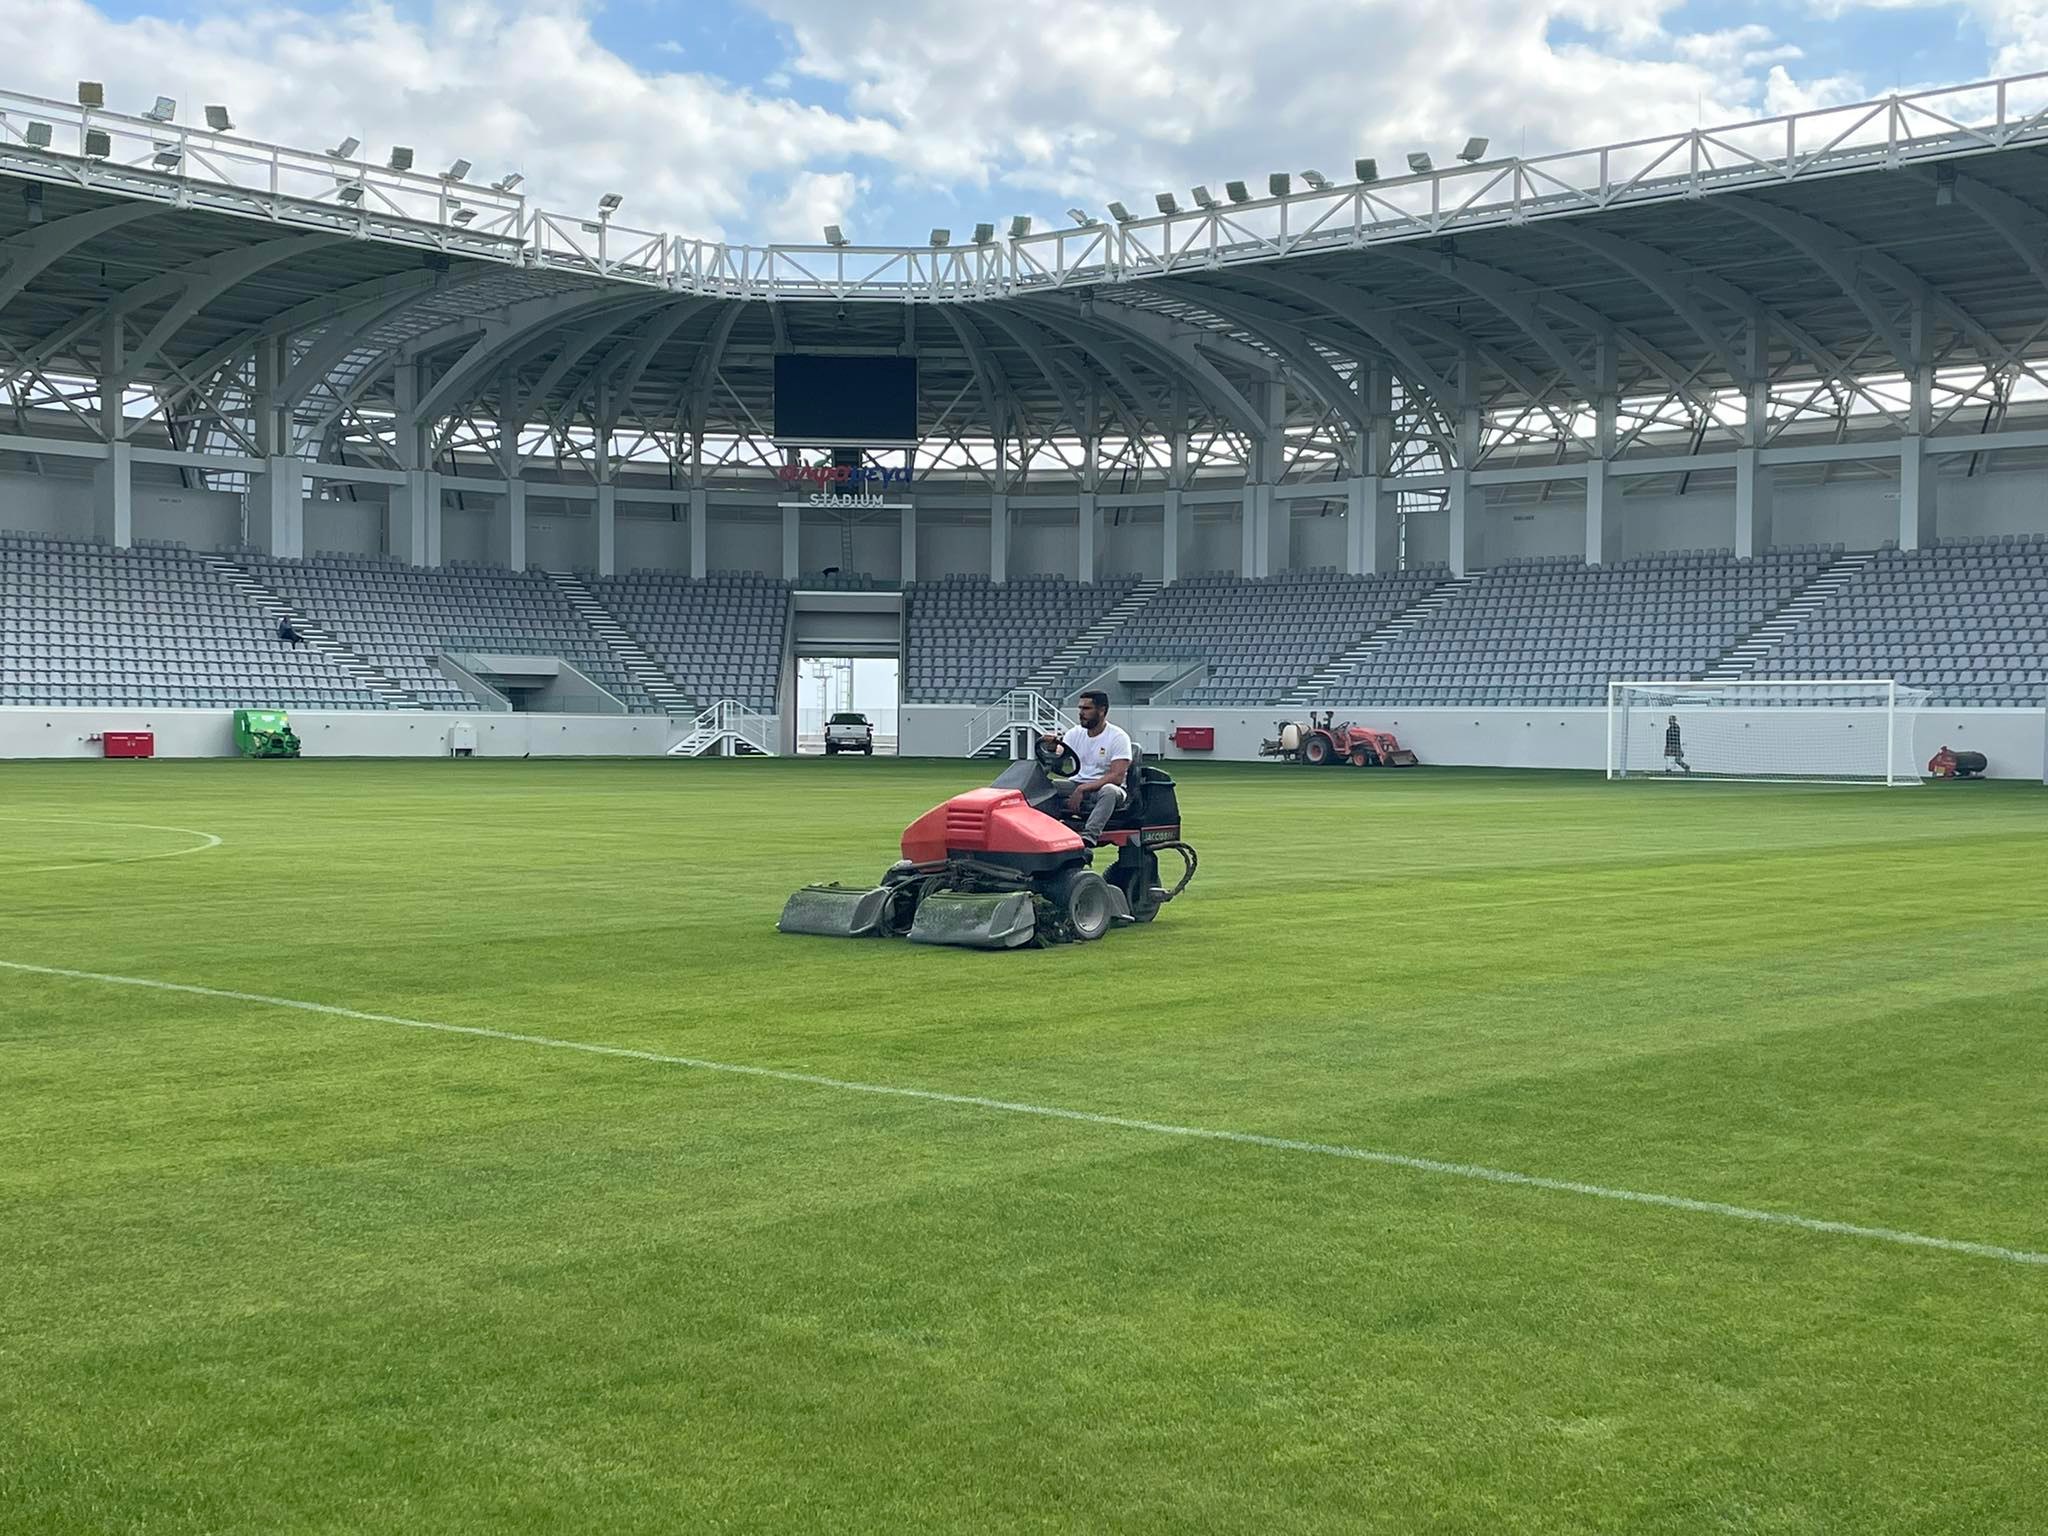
column 1798, row 342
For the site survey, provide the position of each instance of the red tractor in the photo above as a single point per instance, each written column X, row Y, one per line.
column 1318, row 741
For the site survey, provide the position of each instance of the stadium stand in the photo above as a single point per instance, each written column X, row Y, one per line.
column 969, row 639
column 720, row 637
column 1554, row 632
column 401, row 618
column 1967, row 621
column 1258, row 638
column 81, row 624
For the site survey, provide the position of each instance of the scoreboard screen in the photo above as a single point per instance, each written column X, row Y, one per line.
column 862, row 401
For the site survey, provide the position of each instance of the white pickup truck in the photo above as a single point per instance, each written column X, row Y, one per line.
column 847, row 732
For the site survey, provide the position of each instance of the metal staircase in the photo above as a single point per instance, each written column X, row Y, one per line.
column 319, row 638
column 627, row 651
column 1055, row 667
column 728, row 729
column 1341, row 666
column 995, row 731
column 1740, row 659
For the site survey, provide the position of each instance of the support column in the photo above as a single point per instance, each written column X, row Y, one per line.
column 1170, row 525
column 1603, row 514
column 276, row 504
column 999, row 536
column 700, row 533
column 508, row 529
column 414, row 531
column 1370, row 539
column 1087, row 523
column 1916, row 495
column 1251, row 557
column 907, row 533
column 113, row 497
column 607, row 514
column 792, row 542
column 1468, row 533
column 1754, row 485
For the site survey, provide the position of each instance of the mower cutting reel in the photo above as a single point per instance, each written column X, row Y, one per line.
column 999, row 868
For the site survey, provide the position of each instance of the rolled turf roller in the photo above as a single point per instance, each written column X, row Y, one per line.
column 975, row 919
column 835, row 911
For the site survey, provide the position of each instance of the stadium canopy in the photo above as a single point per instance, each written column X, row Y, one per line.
column 1849, row 286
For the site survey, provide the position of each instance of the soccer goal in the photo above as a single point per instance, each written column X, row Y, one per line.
column 1783, row 731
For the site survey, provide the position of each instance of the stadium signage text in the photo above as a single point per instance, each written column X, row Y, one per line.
column 843, row 485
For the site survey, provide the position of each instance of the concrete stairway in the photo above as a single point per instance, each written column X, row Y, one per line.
column 1741, row 658
column 630, row 654
column 1343, row 665
column 1047, row 678
column 319, row 638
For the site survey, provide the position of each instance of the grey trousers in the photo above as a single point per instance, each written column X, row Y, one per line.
column 1101, row 806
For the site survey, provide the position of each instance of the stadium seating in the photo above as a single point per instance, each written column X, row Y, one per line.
column 1554, row 632
column 400, row 618
column 81, row 624
column 720, row 637
column 1967, row 621
column 1259, row 638
column 969, row 638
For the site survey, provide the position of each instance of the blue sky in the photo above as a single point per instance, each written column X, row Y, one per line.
column 765, row 120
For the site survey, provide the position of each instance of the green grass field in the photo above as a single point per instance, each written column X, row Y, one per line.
column 266, row 1270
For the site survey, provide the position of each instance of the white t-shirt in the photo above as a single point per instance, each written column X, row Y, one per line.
column 1096, row 753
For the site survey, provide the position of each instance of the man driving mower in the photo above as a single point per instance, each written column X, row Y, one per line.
column 1103, row 753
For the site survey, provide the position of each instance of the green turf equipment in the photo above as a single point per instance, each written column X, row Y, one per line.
column 265, row 733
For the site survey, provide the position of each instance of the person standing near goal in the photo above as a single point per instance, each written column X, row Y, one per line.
column 1674, row 747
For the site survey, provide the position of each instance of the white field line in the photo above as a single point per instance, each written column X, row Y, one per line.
column 207, row 841
column 1085, row 1117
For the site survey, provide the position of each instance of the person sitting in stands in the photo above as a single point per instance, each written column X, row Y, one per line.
column 288, row 632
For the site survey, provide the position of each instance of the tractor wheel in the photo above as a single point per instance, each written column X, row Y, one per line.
column 1083, row 899
column 1358, row 757
column 1315, row 751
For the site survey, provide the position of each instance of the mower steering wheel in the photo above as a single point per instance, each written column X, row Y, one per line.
column 1059, row 761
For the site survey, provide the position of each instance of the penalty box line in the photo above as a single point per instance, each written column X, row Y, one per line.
column 1084, row 1117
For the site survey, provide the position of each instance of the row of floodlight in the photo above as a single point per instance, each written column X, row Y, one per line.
column 99, row 145
column 1279, row 184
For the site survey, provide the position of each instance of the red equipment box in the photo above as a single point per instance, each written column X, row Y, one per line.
column 1195, row 738
column 129, row 743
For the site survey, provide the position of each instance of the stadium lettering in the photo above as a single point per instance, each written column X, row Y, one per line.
column 841, row 478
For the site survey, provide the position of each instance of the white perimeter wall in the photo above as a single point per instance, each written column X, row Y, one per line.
column 45, row 733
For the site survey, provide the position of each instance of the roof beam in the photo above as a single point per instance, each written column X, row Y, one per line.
column 1280, row 330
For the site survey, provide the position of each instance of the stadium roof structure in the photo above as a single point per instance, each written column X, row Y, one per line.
column 1821, row 287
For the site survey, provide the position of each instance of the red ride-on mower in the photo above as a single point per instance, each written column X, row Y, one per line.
column 1002, row 867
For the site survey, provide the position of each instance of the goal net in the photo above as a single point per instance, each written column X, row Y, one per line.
column 1781, row 731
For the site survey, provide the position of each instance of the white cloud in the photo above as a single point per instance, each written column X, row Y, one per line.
column 951, row 112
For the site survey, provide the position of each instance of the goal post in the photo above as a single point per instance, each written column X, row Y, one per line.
column 1780, row 731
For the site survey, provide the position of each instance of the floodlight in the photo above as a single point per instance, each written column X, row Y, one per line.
column 1278, row 184
column 591, row 227
column 1419, row 163
column 609, row 204
column 1204, row 198
column 1020, row 226
column 218, row 120
column 1475, row 149
column 1120, row 213
column 1081, row 218
column 941, row 237
column 168, row 156
column 834, row 235
column 348, row 191
column 1237, row 191
column 1367, row 168
column 1316, row 180
column 1166, row 203
column 508, row 183
column 165, row 109
column 91, row 94
column 401, row 158
column 98, row 144
column 463, row 215
column 459, row 171
column 39, row 135
column 346, row 149
column 984, row 234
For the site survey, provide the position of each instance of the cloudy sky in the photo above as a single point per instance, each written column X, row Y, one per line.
column 765, row 120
